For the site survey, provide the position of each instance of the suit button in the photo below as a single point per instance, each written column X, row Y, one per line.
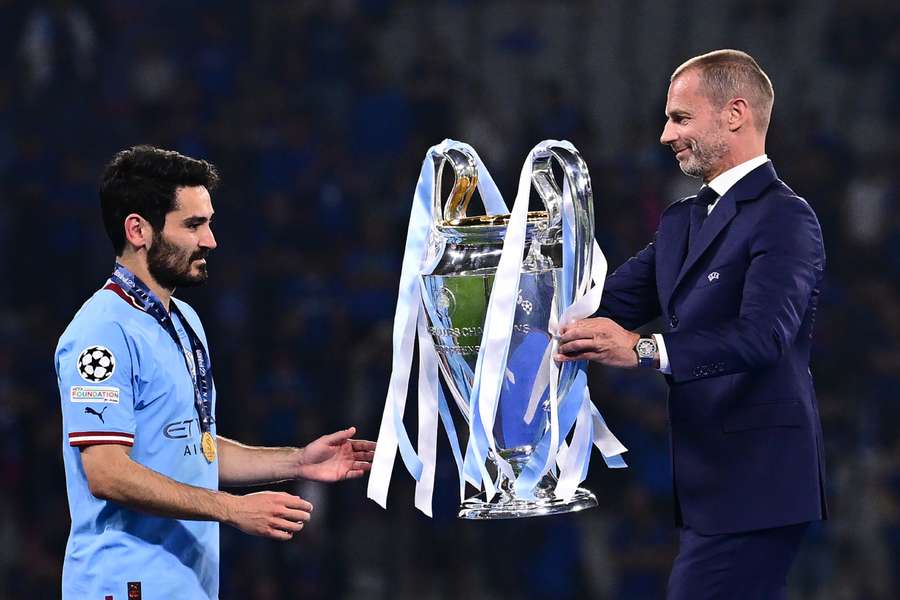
column 673, row 322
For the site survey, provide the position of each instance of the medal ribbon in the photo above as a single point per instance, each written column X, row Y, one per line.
column 201, row 373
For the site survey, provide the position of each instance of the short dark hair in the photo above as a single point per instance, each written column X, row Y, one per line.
column 727, row 74
column 144, row 180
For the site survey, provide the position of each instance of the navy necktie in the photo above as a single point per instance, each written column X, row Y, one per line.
column 699, row 211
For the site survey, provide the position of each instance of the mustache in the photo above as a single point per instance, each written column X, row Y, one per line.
column 199, row 254
column 692, row 145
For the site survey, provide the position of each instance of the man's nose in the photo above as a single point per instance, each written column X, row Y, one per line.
column 209, row 240
column 668, row 136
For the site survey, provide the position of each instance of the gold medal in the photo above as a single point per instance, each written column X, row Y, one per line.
column 209, row 446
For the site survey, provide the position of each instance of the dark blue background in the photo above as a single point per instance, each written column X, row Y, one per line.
column 318, row 115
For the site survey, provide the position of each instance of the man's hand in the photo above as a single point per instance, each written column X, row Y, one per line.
column 276, row 515
column 600, row 340
column 336, row 457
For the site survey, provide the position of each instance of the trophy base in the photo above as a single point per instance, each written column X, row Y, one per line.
column 504, row 506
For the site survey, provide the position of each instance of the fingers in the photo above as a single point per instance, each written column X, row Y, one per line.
column 339, row 437
column 297, row 516
column 594, row 356
column 278, row 534
column 355, row 473
column 362, row 446
column 287, row 521
column 363, row 454
column 587, row 328
column 578, row 333
column 277, row 515
column 291, row 518
column 579, row 345
column 363, row 450
column 283, row 530
column 297, row 503
column 287, row 525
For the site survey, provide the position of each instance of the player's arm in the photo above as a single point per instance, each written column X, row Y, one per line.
column 332, row 457
column 113, row 476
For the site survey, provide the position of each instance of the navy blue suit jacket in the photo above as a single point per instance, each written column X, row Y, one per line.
column 746, row 438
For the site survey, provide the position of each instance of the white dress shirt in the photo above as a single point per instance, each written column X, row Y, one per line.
column 720, row 185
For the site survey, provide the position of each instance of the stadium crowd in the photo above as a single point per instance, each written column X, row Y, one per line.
column 318, row 115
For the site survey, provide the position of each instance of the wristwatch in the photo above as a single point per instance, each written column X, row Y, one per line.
column 646, row 351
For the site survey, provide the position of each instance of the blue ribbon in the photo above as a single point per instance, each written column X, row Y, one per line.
column 201, row 374
column 450, row 429
column 568, row 411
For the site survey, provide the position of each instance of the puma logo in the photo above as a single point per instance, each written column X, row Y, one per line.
column 90, row 411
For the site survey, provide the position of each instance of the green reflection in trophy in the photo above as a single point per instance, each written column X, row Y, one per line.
column 466, row 251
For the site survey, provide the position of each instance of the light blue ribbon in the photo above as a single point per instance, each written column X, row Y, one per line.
column 533, row 471
column 450, row 429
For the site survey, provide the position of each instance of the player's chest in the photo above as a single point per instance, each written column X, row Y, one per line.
column 166, row 378
column 165, row 404
column 166, row 370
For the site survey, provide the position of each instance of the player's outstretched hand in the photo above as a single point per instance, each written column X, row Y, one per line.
column 277, row 515
column 336, row 457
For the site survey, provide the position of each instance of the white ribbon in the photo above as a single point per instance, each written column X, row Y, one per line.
column 589, row 425
column 392, row 435
column 490, row 367
column 410, row 321
column 428, row 415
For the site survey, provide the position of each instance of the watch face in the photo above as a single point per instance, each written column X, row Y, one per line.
column 646, row 348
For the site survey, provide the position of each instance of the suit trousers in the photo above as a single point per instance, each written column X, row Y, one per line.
column 751, row 565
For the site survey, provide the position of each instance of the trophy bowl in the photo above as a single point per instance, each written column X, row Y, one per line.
column 466, row 252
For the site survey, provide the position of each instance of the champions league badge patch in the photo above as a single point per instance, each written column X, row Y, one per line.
column 96, row 364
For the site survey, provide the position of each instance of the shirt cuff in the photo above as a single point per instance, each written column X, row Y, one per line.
column 90, row 438
column 663, row 355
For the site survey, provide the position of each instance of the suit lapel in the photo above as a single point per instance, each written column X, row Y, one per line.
column 721, row 216
column 750, row 187
column 671, row 247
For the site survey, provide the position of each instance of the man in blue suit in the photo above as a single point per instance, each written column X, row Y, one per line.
column 735, row 273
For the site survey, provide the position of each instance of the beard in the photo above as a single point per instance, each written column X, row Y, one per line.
column 706, row 154
column 170, row 265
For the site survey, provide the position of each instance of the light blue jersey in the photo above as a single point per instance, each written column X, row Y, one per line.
column 123, row 380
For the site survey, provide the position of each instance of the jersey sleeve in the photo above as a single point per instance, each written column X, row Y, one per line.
column 94, row 373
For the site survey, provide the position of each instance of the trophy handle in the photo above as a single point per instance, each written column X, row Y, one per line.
column 576, row 173
column 465, row 171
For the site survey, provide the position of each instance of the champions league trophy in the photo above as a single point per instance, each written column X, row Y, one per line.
column 456, row 296
column 492, row 292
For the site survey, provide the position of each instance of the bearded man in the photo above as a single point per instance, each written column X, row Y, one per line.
column 143, row 458
column 735, row 273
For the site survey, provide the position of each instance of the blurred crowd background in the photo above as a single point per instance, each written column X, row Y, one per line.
column 318, row 115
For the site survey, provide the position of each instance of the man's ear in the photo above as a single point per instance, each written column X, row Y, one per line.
column 738, row 114
column 138, row 232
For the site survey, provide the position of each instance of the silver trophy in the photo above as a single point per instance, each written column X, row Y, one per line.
column 466, row 252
